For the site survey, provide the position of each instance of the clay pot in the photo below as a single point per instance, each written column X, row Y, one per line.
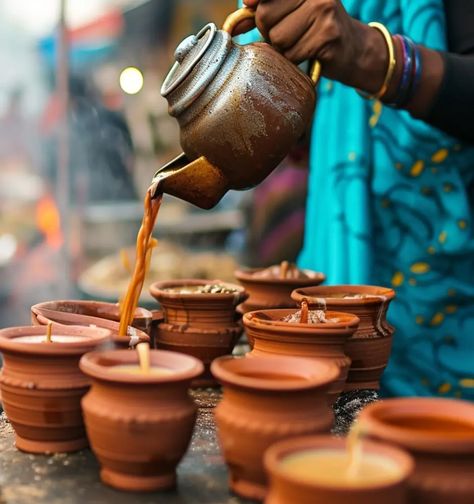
column 42, row 386
column 139, row 426
column 272, row 292
column 197, row 310
column 157, row 318
column 369, row 348
column 439, row 433
column 285, row 488
column 267, row 399
column 204, row 344
column 93, row 313
column 272, row 336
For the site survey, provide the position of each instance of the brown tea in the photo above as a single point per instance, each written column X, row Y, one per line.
column 144, row 247
column 330, row 467
column 134, row 369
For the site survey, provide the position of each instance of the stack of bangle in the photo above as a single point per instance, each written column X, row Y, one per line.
column 411, row 71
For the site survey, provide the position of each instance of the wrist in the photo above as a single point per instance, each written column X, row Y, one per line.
column 371, row 61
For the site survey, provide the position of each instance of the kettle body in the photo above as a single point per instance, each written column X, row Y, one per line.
column 240, row 110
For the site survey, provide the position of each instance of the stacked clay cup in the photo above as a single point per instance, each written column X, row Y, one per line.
column 272, row 336
column 199, row 319
column 370, row 346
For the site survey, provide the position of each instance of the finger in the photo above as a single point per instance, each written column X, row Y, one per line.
column 289, row 30
column 244, row 26
column 251, row 3
column 271, row 12
column 317, row 42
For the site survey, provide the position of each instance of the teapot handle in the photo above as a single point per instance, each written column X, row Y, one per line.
column 232, row 20
column 239, row 15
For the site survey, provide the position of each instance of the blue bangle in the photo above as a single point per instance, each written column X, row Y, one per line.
column 416, row 71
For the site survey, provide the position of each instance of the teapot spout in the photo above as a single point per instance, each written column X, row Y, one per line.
column 199, row 182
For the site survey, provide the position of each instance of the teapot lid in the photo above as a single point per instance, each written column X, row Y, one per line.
column 207, row 49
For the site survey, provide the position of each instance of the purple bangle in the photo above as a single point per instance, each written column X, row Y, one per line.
column 406, row 79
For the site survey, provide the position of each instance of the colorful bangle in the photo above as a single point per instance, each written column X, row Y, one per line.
column 406, row 79
column 411, row 72
column 392, row 62
column 416, row 75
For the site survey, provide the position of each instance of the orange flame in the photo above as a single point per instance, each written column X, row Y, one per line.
column 49, row 222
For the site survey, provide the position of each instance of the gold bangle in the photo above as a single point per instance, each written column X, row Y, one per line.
column 392, row 62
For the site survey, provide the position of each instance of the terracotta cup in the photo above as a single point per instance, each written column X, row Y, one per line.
column 93, row 313
column 204, row 344
column 439, row 433
column 286, row 488
column 267, row 399
column 42, row 386
column 197, row 310
column 369, row 347
column 272, row 292
column 157, row 318
column 272, row 336
column 139, row 426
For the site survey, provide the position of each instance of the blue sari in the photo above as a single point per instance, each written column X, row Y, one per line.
column 390, row 202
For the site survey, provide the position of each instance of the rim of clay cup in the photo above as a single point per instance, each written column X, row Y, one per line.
column 313, row 293
column 95, row 336
column 374, row 415
column 98, row 365
column 140, row 313
column 259, row 318
column 158, row 290
column 247, row 275
column 274, row 455
column 306, row 373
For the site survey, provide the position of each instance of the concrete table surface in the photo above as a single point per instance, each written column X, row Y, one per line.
column 74, row 478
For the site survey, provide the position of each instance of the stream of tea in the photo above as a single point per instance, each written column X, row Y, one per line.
column 144, row 247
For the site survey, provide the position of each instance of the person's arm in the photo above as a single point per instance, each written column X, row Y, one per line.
column 453, row 108
column 356, row 55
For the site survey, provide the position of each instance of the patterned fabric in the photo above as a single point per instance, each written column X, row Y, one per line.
column 391, row 203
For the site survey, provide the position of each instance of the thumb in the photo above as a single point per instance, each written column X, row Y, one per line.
column 243, row 27
column 251, row 3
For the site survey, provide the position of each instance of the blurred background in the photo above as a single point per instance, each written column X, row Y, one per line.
column 83, row 128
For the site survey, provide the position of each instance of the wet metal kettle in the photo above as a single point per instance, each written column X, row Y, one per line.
column 240, row 109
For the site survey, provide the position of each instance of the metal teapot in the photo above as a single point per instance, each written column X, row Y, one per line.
column 240, row 110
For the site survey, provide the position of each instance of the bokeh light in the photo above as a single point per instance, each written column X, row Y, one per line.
column 131, row 80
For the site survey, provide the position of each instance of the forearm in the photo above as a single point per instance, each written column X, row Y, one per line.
column 444, row 96
column 453, row 108
column 435, row 88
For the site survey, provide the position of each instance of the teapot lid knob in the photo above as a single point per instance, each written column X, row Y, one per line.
column 188, row 54
column 184, row 47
